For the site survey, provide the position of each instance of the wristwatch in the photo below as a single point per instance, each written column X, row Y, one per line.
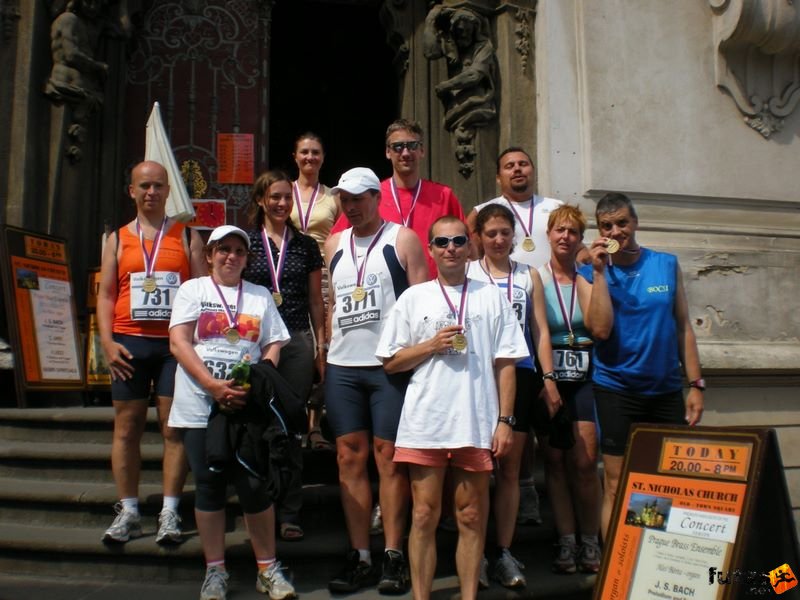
column 510, row 420
column 700, row 384
column 549, row 375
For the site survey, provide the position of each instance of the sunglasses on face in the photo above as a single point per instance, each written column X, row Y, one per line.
column 399, row 146
column 226, row 250
column 442, row 241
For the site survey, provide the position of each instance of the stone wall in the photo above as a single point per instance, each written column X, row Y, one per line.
column 628, row 100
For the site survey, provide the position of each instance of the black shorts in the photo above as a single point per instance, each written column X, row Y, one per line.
column 579, row 400
column 617, row 411
column 153, row 365
column 529, row 385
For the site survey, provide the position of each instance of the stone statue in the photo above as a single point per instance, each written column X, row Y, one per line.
column 469, row 94
column 76, row 77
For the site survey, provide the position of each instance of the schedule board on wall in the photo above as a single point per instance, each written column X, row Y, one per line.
column 40, row 307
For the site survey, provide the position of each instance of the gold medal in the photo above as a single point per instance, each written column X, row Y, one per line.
column 232, row 336
column 612, row 246
column 149, row 285
column 359, row 294
column 528, row 245
column 278, row 297
column 459, row 342
column 571, row 339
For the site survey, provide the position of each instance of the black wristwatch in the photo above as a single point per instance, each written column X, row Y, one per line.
column 510, row 420
column 549, row 375
column 700, row 384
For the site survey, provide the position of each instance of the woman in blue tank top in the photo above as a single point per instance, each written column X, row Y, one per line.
column 570, row 445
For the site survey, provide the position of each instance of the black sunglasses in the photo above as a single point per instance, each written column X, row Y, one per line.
column 442, row 241
column 399, row 146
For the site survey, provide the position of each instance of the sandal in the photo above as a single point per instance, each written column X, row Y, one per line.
column 316, row 441
column 290, row 532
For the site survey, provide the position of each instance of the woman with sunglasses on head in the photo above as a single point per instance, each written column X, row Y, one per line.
column 218, row 321
column 523, row 288
column 572, row 480
column 289, row 265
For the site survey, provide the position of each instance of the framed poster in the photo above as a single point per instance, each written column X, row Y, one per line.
column 98, row 375
column 40, row 306
column 701, row 513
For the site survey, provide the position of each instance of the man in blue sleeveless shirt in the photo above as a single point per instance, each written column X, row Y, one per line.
column 639, row 318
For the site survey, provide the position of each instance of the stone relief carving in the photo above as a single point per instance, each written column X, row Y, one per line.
column 77, row 77
column 522, row 31
column 757, row 44
column 469, row 94
column 389, row 18
column 9, row 13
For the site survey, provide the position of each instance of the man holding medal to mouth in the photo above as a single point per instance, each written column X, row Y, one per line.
column 143, row 265
column 461, row 339
column 371, row 263
column 638, row 315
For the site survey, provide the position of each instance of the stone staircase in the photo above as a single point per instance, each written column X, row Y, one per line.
column 56, row 498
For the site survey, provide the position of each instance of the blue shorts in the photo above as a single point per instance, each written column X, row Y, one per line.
column 364, row 398
column 153, row 366
column 617, row 411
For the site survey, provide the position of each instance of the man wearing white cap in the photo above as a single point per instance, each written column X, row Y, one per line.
column 371, row 263
column 406, row 197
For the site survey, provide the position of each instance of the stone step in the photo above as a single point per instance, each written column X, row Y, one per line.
column 89, row 424
column 89, row 504
column 77, row 552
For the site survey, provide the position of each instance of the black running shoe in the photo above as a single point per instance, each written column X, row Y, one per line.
column 394, row 579
column 356, row 575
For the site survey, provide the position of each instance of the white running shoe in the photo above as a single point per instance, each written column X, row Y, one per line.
column 127, row 524
column 272, row 582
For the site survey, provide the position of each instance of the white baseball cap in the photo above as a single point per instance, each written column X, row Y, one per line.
column 357, row 181
column 222, row 231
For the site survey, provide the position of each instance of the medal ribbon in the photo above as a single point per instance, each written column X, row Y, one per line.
column 510, row 281
column 233, row 318
column 275, row 273
column 561, row 304
column 304, row 219
column 396, row 197
column 528, row 229
column 462, row 309
column 150, row 259
column 361, row 269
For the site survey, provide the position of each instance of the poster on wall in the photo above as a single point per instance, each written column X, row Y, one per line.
column 41, row 311
column 235, row 158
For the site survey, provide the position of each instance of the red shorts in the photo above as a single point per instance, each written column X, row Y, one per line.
column 468, row 459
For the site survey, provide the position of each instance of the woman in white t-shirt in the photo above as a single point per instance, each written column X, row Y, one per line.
column 218, row 321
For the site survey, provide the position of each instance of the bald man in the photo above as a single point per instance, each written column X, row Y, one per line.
column 143, row 265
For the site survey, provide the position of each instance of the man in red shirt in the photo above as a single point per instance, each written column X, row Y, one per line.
column 406, row 198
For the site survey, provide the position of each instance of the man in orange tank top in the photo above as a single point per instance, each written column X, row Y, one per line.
column 143, row 265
